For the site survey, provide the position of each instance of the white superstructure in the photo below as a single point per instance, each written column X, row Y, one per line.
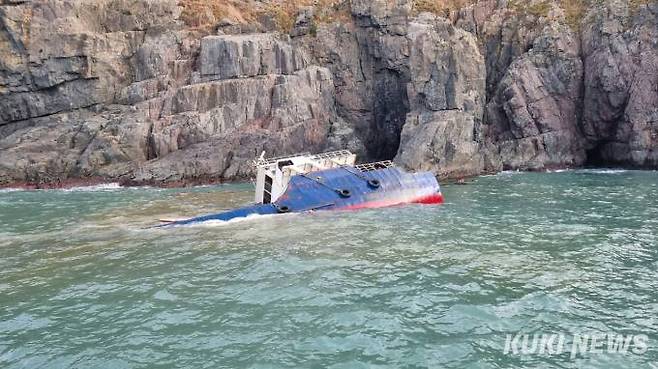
column 274, row 174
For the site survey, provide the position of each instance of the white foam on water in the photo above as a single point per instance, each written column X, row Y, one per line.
column 602, row 171
column 252, row 217
column 4, row 190
column 509, row 172
column 564, row 170
column 501, row 173
column 95, row 188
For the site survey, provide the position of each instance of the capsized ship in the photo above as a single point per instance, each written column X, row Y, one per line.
column 329, row 181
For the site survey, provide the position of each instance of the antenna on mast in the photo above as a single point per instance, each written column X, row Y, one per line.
column 260, row 160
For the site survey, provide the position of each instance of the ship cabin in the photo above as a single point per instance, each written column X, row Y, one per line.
column 274, row 174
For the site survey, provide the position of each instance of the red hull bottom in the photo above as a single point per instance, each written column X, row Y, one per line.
column 430, row 200
column 433, row 199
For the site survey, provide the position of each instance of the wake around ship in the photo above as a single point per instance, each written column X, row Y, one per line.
column 328, row 181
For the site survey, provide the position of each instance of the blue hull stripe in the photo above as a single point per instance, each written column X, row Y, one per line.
column 321, row 190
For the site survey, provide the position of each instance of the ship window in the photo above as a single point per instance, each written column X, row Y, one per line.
column 267, row 192
column 284, row 163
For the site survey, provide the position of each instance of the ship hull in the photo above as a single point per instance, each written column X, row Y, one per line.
column 343, row 188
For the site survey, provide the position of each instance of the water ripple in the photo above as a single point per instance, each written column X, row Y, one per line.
column 82, row 284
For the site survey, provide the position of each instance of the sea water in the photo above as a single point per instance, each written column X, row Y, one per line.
column 473, row 283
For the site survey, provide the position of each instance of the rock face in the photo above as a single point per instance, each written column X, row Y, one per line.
column 533, row 116
column 123, row 90
column 369, row 61
column 143, row 100
column 240, row 56
column 620, row 109
column 218, row 128
column 446, row 95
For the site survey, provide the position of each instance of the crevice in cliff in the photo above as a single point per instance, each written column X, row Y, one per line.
column 391, row 105
column 595, row 157
column 383, row 87
column 151, row 151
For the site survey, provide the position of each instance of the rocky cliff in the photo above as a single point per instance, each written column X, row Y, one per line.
column 127, row 90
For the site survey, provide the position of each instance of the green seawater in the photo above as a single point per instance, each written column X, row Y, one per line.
column 84, row 285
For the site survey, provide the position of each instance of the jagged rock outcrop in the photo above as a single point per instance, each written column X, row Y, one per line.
column 150, row 102
column 446, row 96
column 123, row 90
column 620, row 109
column 64, row 63
column 533, row 117
column 61, row 56
column 369, row 60
column 224, row 57
column 220, row 127
column 559, row 96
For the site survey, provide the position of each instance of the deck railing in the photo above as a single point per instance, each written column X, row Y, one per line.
column 332, row 154
column 368, row 167
column 321, row 156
